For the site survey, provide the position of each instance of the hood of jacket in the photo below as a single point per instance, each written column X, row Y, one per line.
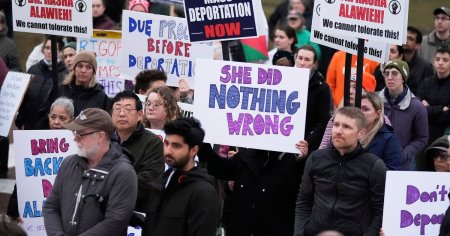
column 404, row 103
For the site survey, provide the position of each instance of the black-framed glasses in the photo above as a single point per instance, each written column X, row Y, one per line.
column 118, row 110
column 78, row 135
column 441, row 155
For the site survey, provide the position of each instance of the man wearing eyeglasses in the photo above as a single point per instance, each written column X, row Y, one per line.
column 146, row 147
column 440, row 36
column 95, row 190
column 405, row 112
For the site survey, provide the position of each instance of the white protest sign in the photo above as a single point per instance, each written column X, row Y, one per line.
column 63, row 17
column 186, row 109
column 415, row 202
column 160, row 42
column 11, row 95
column 378, row 20
column 108, row 52
column 251, row 105
column 373, row 50
column 39, row 154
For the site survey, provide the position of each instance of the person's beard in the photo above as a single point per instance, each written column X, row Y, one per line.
column 86, row 152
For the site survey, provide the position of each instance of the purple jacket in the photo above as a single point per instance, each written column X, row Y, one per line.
column 410, row 121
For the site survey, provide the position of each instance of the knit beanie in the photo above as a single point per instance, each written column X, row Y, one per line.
column 86, row 56
column 400, row 66
column 72, row 45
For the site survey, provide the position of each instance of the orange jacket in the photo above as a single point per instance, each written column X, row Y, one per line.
column 336, row 71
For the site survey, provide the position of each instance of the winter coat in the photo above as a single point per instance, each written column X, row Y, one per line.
column 445, row 224
column 266, row 186
column 8, row 51
column 429, row 44
column 92, row 201
column 103, row 23
column 188, row 206
column 84, row 97
column 385, row 145
column 318, row 110
column 437, row 93
column 147, row 151
column 37, row 100
column 410, row 122
column 344, row 193
column 419, row 69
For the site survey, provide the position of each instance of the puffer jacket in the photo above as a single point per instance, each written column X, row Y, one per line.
column 92, row 201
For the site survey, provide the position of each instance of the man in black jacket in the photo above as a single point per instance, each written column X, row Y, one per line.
column 342, row 188
column 146, row 147
column 184, row 201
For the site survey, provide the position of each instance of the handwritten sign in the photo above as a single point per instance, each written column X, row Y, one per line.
column 218, row 20
column 68, row 18
column 162, row 43
column 256, row 106
column 11, row 95
column 415, row 202
column 383, row 21
column 373, row 50
column 108, row 51
column 39, row 154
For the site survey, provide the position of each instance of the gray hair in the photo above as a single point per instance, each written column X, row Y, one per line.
column 66, row 103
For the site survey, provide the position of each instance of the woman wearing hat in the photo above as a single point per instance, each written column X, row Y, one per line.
column 81, row 85
column 438, row 155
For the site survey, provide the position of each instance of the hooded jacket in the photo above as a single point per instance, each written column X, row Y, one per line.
column 83, row 97
column 189, row 205
column 429, row 45
column 92, row 201
column 343, row 193
column 410, row 122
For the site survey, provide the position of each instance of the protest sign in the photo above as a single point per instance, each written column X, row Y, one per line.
column 415, row 202
column 218, row 19
column 108, row 48
column 63, row 17
column 11, row 95
column 378, row 20
column 187, row 109
column 251, row 105
column 39, row 154
column 162, row 43
column 373, row 50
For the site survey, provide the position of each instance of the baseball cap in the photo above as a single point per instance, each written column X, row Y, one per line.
column 92, row 118
column 443, row 10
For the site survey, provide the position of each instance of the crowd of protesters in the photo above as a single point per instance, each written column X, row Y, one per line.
column 183, row 186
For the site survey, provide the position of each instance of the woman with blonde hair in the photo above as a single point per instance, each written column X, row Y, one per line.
column 81, row 84
column 160, row 106
column 379, row 138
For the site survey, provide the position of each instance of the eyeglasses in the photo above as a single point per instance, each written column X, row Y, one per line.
column 393, row 73
column 154, row 104
column 79, row 136
column 118, row 110
column 442, row 156
column 443, row 18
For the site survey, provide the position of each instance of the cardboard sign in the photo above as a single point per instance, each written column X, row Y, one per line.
column 159, row 42
column 39, row 154
column 373, row 50
column 66, row 17
column 250, row 105
column 415, row 202
column 11, row 95
column 218, row 19
column 108, row 51
column 378, row 20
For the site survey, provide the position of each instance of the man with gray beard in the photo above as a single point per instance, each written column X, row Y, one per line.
column 95, row 190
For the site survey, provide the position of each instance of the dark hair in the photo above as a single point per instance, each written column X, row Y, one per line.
column 187, row 127
column 9, row 227
column 443, row 49
column 353, row 113
column 417, row 32
column 59, row 42
column 307, row 48
column 146, row 78
column 290, row 32
column 128, row 95
column 400, row 50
